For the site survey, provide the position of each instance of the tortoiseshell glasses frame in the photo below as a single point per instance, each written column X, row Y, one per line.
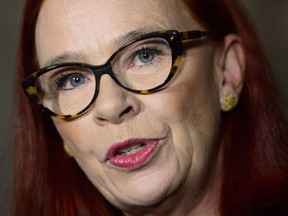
column 172, row 37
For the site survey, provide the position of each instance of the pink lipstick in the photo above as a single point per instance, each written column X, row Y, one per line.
column 132, row 153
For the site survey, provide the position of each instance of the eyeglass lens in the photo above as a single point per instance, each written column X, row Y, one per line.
column 142, row 65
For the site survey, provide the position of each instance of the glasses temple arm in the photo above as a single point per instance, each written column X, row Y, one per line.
column 190, row 35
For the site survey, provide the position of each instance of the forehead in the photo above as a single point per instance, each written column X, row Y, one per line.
column 90, row 25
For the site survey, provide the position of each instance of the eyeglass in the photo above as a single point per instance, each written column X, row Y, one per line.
column 143, row 66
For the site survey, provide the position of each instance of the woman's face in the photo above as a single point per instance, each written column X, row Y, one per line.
column 138, row 150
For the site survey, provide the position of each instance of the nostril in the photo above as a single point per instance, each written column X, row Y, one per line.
column 127, row 110
column 115, row 118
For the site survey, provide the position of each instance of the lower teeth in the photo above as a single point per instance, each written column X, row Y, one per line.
column 131, row 151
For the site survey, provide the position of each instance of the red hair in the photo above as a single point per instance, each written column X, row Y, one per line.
column 48, row 182
column 255, row 133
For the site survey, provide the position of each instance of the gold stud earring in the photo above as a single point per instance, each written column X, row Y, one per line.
column 67, row 150
column 228, row 102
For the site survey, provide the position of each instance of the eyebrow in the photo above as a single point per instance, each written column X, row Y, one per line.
column 65, row 57
column 117, row 42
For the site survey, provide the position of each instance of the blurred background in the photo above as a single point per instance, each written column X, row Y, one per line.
column 270, row 18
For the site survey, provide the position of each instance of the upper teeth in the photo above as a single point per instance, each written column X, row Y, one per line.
column 131, row 149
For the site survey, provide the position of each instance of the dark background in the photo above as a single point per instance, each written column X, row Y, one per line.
column 270, row 18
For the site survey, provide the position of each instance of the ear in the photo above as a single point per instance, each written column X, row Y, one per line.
column 230, row 66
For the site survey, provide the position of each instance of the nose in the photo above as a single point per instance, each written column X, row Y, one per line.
column 114, row 104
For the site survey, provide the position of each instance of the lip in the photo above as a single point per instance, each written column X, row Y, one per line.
column 147, row 148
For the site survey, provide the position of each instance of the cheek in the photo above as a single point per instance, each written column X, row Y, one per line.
column 77, row 134
column 190, row 108
column 192, row 94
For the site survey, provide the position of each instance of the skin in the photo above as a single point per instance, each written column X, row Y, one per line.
column 187, row 114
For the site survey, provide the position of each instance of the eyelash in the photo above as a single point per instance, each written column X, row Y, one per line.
column 62, row 78
column 154, row 49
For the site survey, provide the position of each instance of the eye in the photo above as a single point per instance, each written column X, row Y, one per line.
column 70, row 81
column 145, row 56
column 148, row 60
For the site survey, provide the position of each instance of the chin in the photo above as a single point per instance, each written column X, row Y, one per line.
column 147, row 190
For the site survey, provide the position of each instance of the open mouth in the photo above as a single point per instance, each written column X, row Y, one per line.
column 132, row 154
column 131, row 150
